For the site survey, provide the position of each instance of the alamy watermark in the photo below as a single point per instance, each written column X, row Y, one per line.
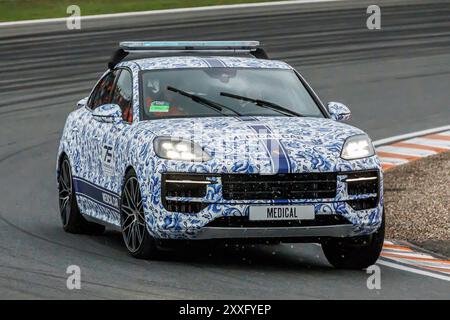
column 374, row 20
column 74, row 278
column 374, row 280
column 74, row 20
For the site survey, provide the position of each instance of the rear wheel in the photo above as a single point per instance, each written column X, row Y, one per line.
column 355, row 252
column 139, row 242
column 71, row 218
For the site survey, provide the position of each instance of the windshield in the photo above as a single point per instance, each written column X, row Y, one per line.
column 225, row 92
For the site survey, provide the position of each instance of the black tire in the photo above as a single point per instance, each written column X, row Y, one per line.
column 139, row 242
column 71, row 218
column 355, row 252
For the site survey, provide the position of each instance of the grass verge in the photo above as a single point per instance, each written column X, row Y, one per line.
column 13, row 10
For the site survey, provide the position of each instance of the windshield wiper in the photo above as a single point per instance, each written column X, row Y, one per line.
column 263, row 104
column 203, row 101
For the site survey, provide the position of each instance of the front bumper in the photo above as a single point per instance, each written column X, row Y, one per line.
column 193, row 217
column 337, row 231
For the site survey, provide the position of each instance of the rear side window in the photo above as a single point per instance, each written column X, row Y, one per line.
column 123, row 95
column 103, row 91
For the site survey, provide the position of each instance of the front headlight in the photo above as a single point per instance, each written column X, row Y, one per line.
column 179, row 149
column 356, row 147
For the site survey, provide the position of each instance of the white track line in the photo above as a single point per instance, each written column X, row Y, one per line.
column 166, row 11
column 410, row 135
column 413, row 270
column 397, row 250
column 407, row 255
column 431, row 142
column 422, row 263
column 395, row 161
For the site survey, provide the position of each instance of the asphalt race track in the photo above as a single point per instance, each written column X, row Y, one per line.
column 396, row 80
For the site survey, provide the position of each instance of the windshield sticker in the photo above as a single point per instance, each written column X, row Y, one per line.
column 159, row 106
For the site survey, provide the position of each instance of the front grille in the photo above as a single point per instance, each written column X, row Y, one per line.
column 244, row 222
column 279, row 186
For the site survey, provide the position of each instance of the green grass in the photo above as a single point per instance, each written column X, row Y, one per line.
column 13, row 10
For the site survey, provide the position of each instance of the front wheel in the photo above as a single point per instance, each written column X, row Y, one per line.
column 139, row 242
column 355, row 252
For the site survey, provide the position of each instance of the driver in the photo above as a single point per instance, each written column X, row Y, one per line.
column 158, row 97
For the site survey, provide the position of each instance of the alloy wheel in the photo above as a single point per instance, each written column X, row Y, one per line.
column 65, row 191
column 132, row 215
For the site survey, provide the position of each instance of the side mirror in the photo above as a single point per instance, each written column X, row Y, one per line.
column 338, row 111
column 108, row 113
column 82, row 102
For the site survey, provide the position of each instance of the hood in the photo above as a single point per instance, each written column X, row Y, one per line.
column 263, row 144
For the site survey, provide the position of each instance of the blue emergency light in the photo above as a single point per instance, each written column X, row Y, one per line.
column 189, row 45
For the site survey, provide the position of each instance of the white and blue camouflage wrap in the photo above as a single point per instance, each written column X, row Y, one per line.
column 236, row 145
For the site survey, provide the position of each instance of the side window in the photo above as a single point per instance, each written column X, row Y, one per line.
column 123, row 95
column 102, row 93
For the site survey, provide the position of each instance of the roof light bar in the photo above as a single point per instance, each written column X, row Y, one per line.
column 188, row 45
column 249, row 47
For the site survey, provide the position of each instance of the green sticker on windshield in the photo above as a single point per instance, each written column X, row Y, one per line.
column 159, row 106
